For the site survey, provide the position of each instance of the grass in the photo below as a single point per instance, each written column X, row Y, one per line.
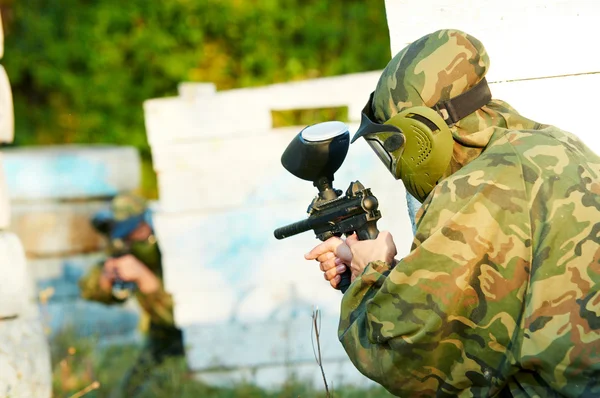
column 81, row 369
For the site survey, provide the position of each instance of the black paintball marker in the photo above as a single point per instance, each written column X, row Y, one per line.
column 117, row 248
column 315, row 154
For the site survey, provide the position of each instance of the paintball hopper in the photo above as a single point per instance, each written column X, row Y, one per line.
column 317, row 152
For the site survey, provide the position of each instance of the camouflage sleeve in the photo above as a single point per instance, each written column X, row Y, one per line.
column 158, row 306
column 444, row 318
column 89, row 286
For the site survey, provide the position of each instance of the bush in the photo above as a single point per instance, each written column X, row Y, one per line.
column 81, row 69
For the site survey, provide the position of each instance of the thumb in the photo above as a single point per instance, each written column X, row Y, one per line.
column 351, row 240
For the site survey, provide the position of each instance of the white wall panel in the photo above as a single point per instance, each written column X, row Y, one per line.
column 240, row 112
column 524, row 39
column 24, row 360
column 4, row 198
column 54, row 228
column 15, row 288
column 567, row 102
column 70, row 171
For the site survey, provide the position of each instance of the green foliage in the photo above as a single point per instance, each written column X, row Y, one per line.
column 80, row 69
column 78, row 366
column 304, row 117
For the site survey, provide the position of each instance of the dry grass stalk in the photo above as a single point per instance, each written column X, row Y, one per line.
column 94, row 386
column 316, row 327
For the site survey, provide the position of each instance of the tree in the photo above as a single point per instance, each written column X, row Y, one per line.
column 80, row 69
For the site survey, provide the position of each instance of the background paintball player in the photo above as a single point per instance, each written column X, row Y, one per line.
column 128, row 226
column 499, row 295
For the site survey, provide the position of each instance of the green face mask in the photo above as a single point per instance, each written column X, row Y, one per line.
column 148, row 252
column 415, row 146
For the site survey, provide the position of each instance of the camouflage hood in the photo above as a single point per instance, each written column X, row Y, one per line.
column 437, row 67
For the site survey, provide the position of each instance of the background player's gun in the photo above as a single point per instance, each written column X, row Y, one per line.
column 315, row 154
column 117, row 248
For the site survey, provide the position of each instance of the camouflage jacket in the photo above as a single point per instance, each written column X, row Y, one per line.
column 158, row 305
column 500, row 292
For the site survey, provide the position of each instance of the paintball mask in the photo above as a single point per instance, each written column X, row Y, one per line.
column 416, row 144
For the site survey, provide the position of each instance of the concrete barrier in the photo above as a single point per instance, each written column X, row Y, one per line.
column 204, row 113
column 4, row 200
column 71, row 172
column 547, row 73
column 222, row 193
column 195, row 230
column 54, row 193
column 24, row 353
column 15, row 292
column 524, row 40
column 25, row 369
column 57, row 228
column 57, row 278
column 566, row 102
column 24, row 359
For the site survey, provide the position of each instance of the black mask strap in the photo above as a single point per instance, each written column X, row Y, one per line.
column 451, row 110
column 463, row 105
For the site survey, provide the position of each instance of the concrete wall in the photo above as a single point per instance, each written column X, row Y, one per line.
column 47, row 245
column 54, row 191
column 24, row 354
column 243, row 298
column 542, row 58
column 222, row 193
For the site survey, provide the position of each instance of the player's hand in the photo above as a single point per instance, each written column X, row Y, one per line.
column 363, row 252
column 129, row 269
column 333, row 256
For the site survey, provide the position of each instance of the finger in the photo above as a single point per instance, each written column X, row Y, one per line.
column 352, row 239
column 344, row 253
column 328, row 246
column 389, row 239
column 332, row 273
column 335, row 281
column 108, row 273
column 329, row 264
column 115, row 267
column 109, row 265
column 326, row 256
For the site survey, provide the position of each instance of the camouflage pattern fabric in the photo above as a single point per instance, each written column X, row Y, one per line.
column 127, row 205
column 89, row 286
column 499, row 295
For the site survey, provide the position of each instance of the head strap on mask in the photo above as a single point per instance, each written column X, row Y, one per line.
column 464, row 104
column 416, row 144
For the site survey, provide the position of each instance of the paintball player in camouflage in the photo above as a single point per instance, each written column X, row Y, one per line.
column 499, row 295
column 130, row 223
